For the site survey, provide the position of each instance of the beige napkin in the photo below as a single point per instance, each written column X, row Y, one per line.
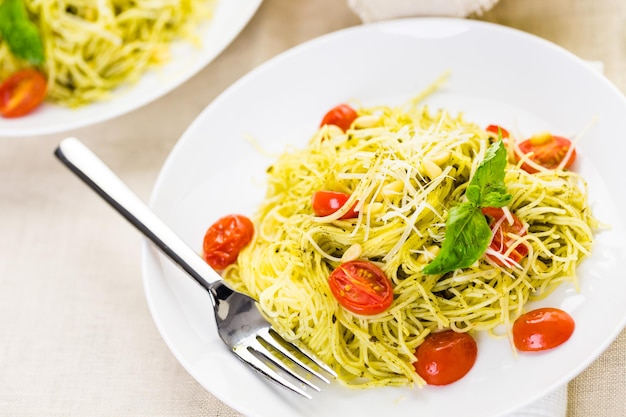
column 374, row 10
column 555, row 403
column 552, row 405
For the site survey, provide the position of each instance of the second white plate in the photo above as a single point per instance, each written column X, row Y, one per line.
column 229, row 18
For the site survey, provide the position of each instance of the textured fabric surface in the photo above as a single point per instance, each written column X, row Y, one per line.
column 552, row 405
column 76, row 336
column 375, row 10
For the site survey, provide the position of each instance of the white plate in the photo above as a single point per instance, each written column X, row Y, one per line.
column 498, row 75
column 229, row 18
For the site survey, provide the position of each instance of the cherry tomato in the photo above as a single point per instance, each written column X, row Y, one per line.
column 495, row 129
column 547, row 150
column 326, row 203
column 541, row 329
column 225, row 238
column 445, row 357
column 361, row 287
column 501, row 242
column 22, row 92
column 341, row 116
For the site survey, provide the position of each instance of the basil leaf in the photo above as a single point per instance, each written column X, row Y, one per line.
column 467, row 232
column 20, row 34
column 467, row 237
column 487, row 188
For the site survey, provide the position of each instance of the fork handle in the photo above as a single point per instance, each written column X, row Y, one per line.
column 89, row 168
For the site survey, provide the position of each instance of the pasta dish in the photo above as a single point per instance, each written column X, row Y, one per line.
column 93, row 46
column 404, row 170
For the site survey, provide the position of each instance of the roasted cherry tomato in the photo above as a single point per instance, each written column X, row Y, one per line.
column 326, row 203
column 547, row 150
column 495, row 129
column 501, row 242
column 341, row 116
column 541, row 329
column 225, row 238
column 361, row 287
column 22, row 92
column 445, row 357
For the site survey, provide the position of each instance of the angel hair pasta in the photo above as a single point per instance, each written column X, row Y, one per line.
column 404, row 168
column 93, row 46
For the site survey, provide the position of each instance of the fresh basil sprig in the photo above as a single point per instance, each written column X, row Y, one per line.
column 21, row 35
column 467, row 231
column 487, row 188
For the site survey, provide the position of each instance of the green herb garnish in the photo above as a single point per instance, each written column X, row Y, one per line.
column 467, row 231
column 21, row 35
column 487, row 188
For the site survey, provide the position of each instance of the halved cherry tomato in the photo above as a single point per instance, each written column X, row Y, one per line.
column 501, row 242
column 326, row 203
column 225, row 238
column 341, row 116
column 361, row 287
column 22, row 92
column 541, row 329
column 495, row 129
column 547, row 150
column 445, row 357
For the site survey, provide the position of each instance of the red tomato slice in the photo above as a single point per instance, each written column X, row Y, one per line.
column 501, row 242
column 495, row 129
column 541, row 329
column 22, row 92
column 326, row 203
column 225, row 238
column 361, row 287
column 547, row 150
column 341, row 116
column 445, row 357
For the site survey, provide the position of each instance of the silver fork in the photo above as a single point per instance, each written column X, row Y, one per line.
column 240, row 324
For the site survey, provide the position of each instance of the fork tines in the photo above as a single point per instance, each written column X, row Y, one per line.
column 257, row 354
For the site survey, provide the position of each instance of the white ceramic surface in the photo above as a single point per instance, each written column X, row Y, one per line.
column 498, row 75
column 229, row 18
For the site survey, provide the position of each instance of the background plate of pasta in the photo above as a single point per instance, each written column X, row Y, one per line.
column 83, row 62
column 406, row 181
